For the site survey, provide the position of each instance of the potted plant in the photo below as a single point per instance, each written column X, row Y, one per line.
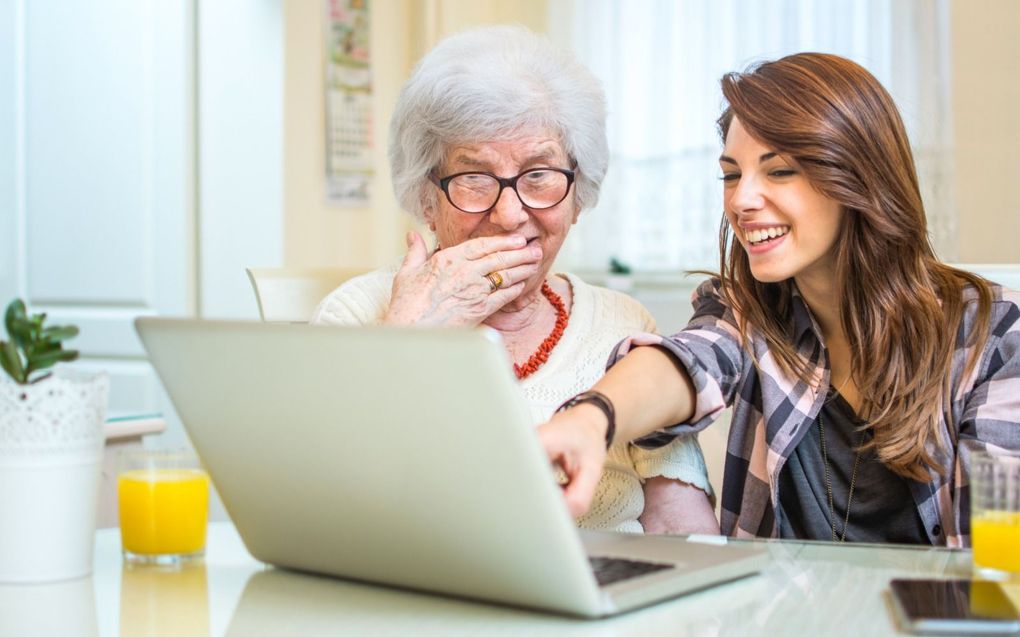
column 51, row 448
column 619, row 277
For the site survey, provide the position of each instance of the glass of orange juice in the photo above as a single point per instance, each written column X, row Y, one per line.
column 995, row 514
column 163, row 498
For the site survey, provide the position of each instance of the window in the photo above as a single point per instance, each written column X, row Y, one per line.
column 660, row 62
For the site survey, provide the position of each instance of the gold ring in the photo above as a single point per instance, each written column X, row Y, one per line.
column 495, row 281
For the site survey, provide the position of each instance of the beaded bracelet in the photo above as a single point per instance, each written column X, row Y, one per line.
column 602, row 402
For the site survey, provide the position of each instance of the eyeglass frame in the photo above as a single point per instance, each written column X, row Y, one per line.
column 504, row 183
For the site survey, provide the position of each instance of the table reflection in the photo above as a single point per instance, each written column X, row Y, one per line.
column 158, row 601
column 277, row 602
column 808, row 588
column 58, row 609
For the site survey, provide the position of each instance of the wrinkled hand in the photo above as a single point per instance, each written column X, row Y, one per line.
column 449, row 288
column 678, row 508
column 575, row 440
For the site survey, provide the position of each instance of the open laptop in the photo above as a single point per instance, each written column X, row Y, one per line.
column 403, row 457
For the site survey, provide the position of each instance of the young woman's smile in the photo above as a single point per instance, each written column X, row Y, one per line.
column 786, row 226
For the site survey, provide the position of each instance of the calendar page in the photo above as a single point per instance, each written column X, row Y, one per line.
column 349, row 131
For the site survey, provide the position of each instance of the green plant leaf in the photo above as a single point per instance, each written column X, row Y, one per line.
column 15, row 310
column 23, row 329
column 39, row 378
column 45, row 346
column 618, row 267
column 35, row 327
column 33, row 347
column 58, row 333
column 11, row 362
column 19, row 328
column 49, row 359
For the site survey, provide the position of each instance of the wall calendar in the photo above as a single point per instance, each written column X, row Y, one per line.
column 349, row 130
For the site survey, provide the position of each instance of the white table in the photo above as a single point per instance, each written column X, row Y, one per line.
column 808, row 589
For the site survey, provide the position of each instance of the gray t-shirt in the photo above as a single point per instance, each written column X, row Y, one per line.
column 883, row 509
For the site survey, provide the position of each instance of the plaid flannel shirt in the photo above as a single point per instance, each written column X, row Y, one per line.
column 772, row 412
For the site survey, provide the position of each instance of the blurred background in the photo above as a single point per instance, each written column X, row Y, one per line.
column 150, row 150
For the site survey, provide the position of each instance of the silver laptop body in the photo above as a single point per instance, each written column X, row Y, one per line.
column 404, row 457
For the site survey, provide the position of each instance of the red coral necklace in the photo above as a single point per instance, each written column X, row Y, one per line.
column 541, row 355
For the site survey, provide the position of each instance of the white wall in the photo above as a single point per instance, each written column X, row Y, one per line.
column 317, row 233
column 240, row 150
column 986, row 97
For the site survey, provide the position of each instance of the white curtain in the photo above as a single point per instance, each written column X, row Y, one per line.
column 660, row 62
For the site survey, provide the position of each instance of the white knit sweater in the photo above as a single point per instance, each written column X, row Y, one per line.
column 599, row 318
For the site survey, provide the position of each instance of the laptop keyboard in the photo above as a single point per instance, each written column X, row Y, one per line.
column 609, row 570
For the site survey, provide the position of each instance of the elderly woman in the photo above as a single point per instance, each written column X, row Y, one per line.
column 497, row 143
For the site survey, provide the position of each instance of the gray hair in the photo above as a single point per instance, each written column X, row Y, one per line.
column 488, row 83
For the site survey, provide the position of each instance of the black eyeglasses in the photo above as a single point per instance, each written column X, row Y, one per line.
column 477, row 192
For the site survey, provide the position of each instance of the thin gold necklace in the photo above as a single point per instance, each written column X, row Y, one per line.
column 828, row 484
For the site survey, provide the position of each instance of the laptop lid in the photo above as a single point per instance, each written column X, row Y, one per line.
column 404, row 457
column 399, row 456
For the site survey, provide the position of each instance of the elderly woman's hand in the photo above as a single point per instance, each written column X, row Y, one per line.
column 450, row 287
column 575, row 441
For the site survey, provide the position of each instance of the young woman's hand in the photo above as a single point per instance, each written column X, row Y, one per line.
column 575, row 441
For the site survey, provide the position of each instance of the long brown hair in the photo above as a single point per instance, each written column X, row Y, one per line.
column 900, row 307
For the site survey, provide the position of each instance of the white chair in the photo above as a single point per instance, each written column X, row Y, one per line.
column 290, row 295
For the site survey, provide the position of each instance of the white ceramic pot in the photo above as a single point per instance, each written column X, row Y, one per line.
column 51, row 450
column 620, row 282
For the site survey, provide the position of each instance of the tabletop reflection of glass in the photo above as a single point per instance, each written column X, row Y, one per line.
column 161, row 601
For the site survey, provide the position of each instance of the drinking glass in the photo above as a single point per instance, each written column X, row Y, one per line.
column 995, row 513
column 163, row 496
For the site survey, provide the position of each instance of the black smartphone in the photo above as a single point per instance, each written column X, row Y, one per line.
column 954, row 606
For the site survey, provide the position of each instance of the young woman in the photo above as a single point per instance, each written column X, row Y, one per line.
column 861, row 370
